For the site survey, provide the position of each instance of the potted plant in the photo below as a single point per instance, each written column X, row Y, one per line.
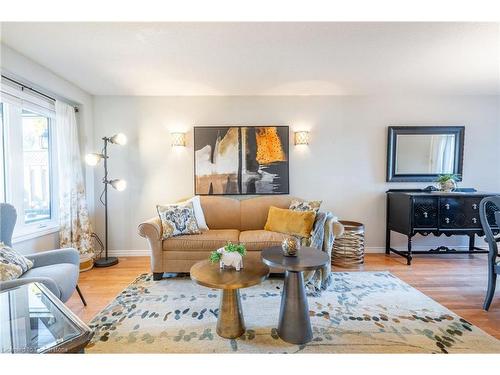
column 230, row 255
column 447, row 182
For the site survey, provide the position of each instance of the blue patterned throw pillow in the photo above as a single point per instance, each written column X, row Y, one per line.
column 12, row 264
column 177, row 220
column 297, row 205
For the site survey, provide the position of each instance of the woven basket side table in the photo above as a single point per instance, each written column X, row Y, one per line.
column 349, row 249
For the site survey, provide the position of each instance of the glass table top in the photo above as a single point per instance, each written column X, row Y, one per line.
column 33, row 322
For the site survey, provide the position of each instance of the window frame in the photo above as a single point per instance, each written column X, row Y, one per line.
column 13, row 171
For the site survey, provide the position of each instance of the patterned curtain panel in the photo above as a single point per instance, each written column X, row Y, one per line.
column 75, row 230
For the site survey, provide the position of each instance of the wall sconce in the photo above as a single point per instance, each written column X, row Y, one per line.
column 178, row 139
column 301, row 138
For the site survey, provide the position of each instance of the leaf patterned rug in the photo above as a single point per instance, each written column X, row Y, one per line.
column 361, row 312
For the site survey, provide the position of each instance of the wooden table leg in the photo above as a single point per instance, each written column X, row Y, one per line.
column 230, row 323
column 294, row 324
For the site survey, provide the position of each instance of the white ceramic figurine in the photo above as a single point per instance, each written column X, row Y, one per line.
column 230, row 259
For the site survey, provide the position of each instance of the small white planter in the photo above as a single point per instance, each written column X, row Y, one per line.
column 230, row 259
column 447, row 186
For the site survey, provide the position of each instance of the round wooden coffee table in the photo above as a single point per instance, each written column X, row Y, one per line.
column 230, row 323
column 294, row 323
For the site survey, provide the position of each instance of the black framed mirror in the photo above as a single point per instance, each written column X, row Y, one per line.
column 422, row 153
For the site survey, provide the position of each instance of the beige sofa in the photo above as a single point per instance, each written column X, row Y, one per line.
column 238, row 221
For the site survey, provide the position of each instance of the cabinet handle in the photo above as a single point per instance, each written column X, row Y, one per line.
column 447, row 220
column 474, row 220
column 447, row 205
column 474, row 206
column 426, row 214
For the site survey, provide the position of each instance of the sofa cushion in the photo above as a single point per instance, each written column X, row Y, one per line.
column 256, row 240
column 178, row 219
column 297, row 205
column 221, row 212
column 198, row 211
column 208, row 240
column 65, row 275
column 254, row 211
column 297, row 223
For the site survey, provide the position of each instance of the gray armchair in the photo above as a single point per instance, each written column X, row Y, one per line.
column 58, row 269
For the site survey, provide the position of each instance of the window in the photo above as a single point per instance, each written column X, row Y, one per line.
column 28, row 162
column 36, row 167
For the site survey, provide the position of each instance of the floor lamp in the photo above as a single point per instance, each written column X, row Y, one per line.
column 118, row 184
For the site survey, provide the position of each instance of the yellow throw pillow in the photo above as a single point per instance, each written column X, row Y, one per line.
column 296, row 223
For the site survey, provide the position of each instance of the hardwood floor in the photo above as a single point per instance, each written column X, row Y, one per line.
column 457, row 282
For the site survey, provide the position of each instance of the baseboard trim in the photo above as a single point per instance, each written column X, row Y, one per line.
column 130, row 253
column 368, row 250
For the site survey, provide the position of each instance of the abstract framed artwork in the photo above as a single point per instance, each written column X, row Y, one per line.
column 241, row 160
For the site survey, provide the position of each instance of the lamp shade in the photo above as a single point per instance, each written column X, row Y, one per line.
column 302, row 138
column 119, row 139
column 93, row 159
column 119, row 184
column 178, row 139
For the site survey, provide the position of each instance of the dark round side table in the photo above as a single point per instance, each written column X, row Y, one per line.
column 294, row 323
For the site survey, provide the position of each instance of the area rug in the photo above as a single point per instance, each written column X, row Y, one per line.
column 361, row 312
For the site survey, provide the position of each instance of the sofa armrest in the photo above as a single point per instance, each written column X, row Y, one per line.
column 47, row 258
column 152, row 231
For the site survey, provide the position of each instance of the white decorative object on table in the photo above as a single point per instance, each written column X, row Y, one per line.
column 230, row 255
column 447, row 182
column 230, row 259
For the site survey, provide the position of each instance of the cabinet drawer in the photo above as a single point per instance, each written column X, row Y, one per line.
column 425, row 212
column 471, row 208
column 452, row 213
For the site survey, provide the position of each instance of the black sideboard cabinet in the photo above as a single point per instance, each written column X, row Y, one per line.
column 412, row 212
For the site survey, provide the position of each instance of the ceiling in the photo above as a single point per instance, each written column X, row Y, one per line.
column 265, row 58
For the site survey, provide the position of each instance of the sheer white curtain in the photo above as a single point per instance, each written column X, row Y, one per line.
column 75, row 230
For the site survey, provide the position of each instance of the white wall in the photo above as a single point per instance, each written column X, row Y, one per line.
column 344, row 165
column 15, row 65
